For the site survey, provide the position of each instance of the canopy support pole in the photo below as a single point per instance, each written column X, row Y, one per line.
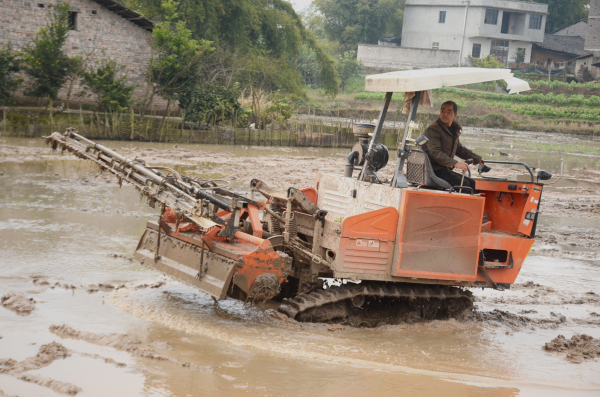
column 382, row 114
column 399, row 179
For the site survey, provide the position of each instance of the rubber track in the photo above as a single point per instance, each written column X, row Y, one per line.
column 333, row 294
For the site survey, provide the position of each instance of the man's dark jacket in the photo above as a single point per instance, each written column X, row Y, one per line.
column 443, row 146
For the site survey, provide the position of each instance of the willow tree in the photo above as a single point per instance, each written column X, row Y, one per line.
column 261, row 29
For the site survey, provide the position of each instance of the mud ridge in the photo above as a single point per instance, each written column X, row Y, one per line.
column 18, row 303
column 56, row 385
column 46, row 356
column 578, row 349
column 123, row 342
column 516, row 321
column 44, row 281
column 98, row 357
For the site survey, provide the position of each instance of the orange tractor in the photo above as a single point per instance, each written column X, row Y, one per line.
column 400, row 251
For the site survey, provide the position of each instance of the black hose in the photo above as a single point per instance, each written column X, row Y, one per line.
column 352, row 156
column 203, row 195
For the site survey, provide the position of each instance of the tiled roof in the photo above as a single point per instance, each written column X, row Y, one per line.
column 127, row 13
column 572, row 45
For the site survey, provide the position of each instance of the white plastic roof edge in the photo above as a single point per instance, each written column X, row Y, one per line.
column 429, row 79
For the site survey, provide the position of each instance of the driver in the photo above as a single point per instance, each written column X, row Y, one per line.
column 444, row 144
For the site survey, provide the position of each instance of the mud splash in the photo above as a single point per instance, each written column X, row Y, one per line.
column 18, row 303
column 578, row 349
column 46, row 356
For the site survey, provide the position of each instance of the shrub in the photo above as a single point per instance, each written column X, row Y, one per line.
column 211, row 105
column 9, row 65
column 111, row 93
column 489, row 62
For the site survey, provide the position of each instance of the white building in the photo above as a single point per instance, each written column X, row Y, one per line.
column 492, row 26
column 436, row 33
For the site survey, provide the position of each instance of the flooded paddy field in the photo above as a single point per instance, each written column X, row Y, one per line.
column 82, row 318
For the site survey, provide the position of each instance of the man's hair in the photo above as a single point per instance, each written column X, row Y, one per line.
column 454, row 105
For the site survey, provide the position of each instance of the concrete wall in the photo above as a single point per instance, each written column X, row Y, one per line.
column 577, row 29
column 506, row 4
column 587, row 62
column 398, row 58
column 98, row 35
column 421, row 27
column 514, row 45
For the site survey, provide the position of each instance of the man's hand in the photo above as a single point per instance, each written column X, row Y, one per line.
column 462, row 166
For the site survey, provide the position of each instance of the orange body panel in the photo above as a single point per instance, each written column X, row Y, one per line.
column 517, row 247
column 506, row 208
column 311, row 194
column 439, row 236
column 367, row 241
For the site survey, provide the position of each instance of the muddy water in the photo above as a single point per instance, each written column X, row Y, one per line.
column 59, row 219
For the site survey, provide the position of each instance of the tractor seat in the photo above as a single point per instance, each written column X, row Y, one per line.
column 420, row 172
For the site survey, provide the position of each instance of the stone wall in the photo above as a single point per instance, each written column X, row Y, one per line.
column 577, row 29
column 592, row 40
column 99, row 33
column 398, row 58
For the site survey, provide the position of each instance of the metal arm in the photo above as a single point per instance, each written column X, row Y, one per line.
column 399, row 179
column 382, row 114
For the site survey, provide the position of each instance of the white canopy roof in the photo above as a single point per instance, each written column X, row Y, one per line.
column 428, row 79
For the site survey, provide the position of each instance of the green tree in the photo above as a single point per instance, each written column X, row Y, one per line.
column 348, row 68
column 519, row 56
column 111, row 92
column 562, row 13
column 351, row 22
column 45, row 61
column 174, row 68
column 309, row 67
column 9, row 66
column 314, row 21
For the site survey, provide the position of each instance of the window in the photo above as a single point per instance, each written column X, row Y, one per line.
column 535, row 21
column 442, row 17
column 73, row 20
column 491, row 17
column 435, row 45
column 476, row 53
column 41, row 5
column 499, row 50
column 94, row 12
